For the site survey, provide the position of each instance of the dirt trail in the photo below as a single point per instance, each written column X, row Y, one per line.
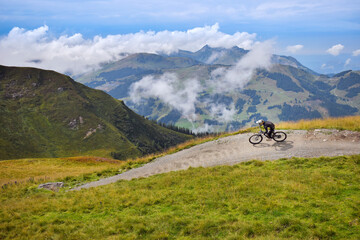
column 235, row 149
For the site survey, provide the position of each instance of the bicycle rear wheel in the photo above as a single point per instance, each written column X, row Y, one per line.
column 279, row 136
column 255, row 139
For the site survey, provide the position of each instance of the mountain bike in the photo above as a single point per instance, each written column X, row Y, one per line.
column 277, row 136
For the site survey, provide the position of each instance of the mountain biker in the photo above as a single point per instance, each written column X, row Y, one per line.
column 268, row 126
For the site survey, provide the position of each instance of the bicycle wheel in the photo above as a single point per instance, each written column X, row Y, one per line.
column 255, row 139
column 279, row 136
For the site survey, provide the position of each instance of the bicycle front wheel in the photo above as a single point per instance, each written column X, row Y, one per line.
column 279, row 136
column 255, row 139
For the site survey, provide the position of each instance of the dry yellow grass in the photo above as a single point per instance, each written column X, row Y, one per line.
column 23, row 170
column 349, row 123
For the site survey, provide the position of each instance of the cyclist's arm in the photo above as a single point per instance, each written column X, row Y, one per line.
column 261, row 128
column 266, row 129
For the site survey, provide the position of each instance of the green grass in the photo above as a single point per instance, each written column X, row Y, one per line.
column 294, row 198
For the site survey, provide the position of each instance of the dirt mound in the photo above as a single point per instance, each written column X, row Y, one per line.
column 333, row 135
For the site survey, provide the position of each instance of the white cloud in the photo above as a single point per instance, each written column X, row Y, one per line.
column 221, row 112
column 204, row 128
column 180, row 95
column 335, row 50
column 215, row 56
column 347, row 62
column 294, row 48
column 356, row 53
column 225, row 79
column 75, row 54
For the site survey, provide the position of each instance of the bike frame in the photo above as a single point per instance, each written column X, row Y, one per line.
column 263, row 133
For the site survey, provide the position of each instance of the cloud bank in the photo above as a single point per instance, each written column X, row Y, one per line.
column 75, row 54
column 335, row 50
column 180, row 95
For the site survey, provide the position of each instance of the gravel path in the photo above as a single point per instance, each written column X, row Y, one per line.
column 235, row 149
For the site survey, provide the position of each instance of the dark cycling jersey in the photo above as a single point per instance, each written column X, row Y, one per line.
column 269, row 125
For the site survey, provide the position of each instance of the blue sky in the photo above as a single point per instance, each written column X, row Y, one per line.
column 323, row 35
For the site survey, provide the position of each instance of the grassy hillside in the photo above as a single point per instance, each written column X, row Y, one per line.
column 47, row 114
column 289, row 198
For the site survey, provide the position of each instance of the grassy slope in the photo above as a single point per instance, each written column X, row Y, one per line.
column 38, row 106
column 297, row 198
column 289, row 198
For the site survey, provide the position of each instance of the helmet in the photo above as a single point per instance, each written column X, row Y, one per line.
column 260, row 122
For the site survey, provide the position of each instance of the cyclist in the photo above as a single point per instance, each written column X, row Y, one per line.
column 268, row 126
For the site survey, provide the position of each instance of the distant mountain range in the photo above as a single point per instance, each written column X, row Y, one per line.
column 287, row 91
column 47, row 114
column 231, row 56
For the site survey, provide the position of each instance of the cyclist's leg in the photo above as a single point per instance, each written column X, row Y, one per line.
column 266, row 132
column 271, row 132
